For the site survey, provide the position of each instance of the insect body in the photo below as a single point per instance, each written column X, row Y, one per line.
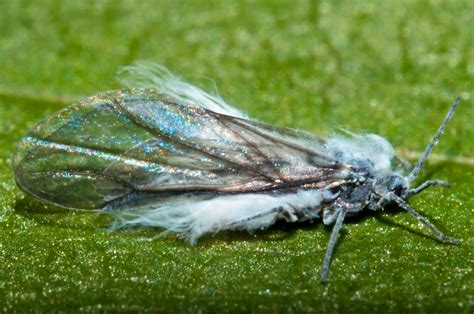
column 173, row 156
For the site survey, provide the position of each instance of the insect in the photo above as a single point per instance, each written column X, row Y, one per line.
column 170, row 155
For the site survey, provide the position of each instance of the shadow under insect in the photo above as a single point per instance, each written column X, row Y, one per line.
column 59, row 217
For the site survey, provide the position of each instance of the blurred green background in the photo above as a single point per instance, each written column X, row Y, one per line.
column 386, row 67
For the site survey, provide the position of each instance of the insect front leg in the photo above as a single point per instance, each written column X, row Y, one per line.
column 423, row 220
column 425, row 185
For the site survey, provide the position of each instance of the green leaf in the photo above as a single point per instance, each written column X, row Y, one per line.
column 388, row 68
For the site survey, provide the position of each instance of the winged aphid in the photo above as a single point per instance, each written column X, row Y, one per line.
column 170, row 155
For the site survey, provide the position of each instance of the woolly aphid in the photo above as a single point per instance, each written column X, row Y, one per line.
column 166, row 154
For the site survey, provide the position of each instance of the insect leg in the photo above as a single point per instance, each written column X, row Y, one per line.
column 427, row 184
column 424, row 221
column 230, row 225
column 332, row 243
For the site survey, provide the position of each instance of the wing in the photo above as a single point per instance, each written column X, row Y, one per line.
column 117, row 144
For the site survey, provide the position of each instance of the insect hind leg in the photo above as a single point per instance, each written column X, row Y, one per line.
column 425, row 185
column 273, row 211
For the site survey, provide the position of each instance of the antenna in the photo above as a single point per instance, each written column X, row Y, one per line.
column 433, row 142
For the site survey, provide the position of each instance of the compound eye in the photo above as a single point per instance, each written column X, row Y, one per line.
column 398, row 185
column 398, row 189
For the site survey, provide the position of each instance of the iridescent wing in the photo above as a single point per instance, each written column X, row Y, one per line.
column 120, row 143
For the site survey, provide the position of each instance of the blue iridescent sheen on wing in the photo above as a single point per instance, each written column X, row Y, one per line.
column 122, row 143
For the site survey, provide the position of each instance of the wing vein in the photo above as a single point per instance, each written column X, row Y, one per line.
column 152, row 132
column 284, row 142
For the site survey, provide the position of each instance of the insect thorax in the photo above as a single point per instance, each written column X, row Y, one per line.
column 366, row 185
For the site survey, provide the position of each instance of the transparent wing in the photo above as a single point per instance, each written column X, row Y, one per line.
column 121, row 143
